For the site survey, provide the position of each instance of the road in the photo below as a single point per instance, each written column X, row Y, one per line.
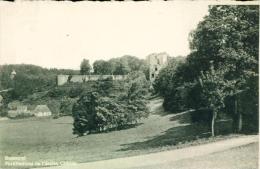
column 167, row 157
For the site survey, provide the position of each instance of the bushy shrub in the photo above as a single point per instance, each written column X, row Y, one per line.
column 94, row 113
column 136, row 86
column 75, row 91
column 66, row 106
column 83, row 113
column 57, row 92
column 103, row 86
column 99, row 111
column 53, row 104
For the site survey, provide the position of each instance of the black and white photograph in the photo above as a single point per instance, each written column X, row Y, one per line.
column 129, row 85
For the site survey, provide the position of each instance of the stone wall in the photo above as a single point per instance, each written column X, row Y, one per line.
column 62, row 79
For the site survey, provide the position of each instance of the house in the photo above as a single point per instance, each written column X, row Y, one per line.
column 20, row 110
column 42, row 111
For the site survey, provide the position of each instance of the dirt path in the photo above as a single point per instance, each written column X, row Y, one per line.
column 166, row 156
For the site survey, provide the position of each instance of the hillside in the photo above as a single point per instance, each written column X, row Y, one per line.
column 52, row 139
column 66, row 95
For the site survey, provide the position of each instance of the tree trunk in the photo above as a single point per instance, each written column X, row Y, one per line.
column 240, row 120
column 213, row 123
column 235, row 118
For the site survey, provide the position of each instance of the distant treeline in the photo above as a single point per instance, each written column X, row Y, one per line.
column 31, row 78
column 120, row 66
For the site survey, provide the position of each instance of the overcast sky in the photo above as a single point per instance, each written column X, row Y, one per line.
column 62, row 34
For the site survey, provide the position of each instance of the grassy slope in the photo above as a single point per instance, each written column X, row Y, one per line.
column 52, row 139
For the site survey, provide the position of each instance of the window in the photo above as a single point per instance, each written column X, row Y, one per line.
column 152, row 75
column 156, row 69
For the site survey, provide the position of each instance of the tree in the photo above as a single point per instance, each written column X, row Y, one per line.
column 95, row 113
column 98, row 111
column 227, row 30
column 169, row 85
column 104, row 86
column 136, row 85
column 228, row 36
column 102, row 67
column 83, row 112
column 122, row 67
column 134, row 63
column 66, row 106
column 126, row 64
column 214, row 91
column 85, row 67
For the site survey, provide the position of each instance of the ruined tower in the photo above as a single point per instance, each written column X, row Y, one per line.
column 156, row 62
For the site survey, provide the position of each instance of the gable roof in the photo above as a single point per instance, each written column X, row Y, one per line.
column 41, row 108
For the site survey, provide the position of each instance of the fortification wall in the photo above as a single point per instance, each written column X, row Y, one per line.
column 63, row 79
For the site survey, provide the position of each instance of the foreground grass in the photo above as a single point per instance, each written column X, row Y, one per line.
column 243, row 157
column 52, row 139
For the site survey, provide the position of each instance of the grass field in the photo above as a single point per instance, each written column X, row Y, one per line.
column 52, row 139
column 243, row 157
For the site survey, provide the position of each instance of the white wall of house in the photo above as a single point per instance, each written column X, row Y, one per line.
column 42, row 114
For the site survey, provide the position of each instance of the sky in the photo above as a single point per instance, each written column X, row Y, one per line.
column 61, row 35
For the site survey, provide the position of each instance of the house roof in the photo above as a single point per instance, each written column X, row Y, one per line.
column 41, row 108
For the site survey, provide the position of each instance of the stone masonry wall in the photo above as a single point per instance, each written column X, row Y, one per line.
column 62, row 79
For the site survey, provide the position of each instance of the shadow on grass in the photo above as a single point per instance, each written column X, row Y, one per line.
column 179, row 135
column 125, row 127
column 183, row 117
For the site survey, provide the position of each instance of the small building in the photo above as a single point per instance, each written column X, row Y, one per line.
column 20, row 110
column 42, row 111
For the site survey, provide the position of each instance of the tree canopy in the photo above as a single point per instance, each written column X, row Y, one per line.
column 120, row 66
column 85, row 67
column 227, row 39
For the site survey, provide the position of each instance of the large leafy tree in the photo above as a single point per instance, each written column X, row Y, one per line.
column 85, row 67
column 126, row 64
column 102, row 67
column 228, row 36
column 214, row 91
column 100, row 111
column 169, row 84
column 136, row 85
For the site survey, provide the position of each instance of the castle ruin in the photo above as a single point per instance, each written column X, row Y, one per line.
column 156, row 62
column 63, row 79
